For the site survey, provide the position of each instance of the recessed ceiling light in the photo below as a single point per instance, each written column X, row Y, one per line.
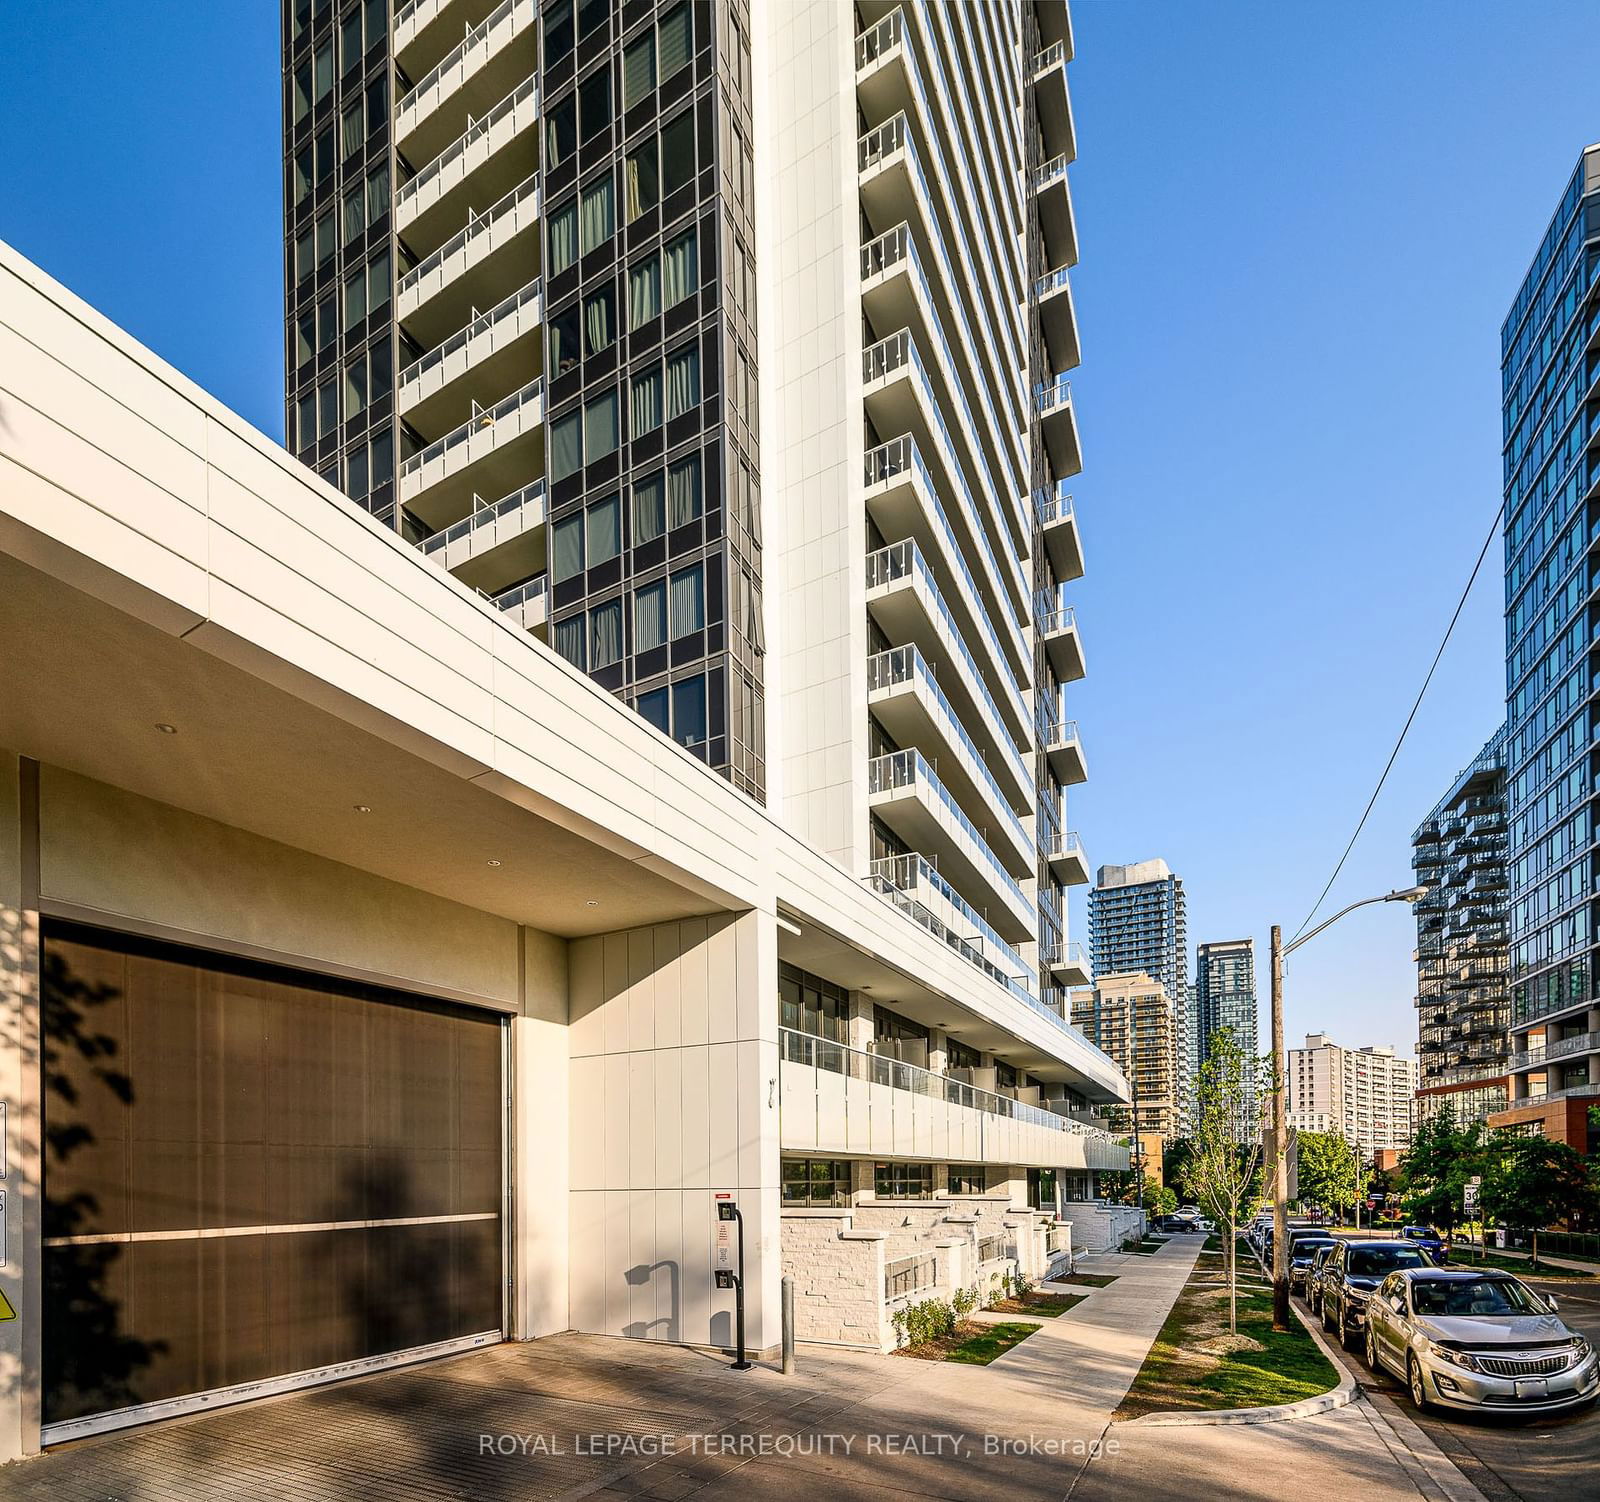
column 494, row 863
column 591, row 903
column 166, row 729
column 362, row 808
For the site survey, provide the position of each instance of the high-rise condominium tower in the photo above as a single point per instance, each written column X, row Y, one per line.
column 1139, row 922
column 1225, row 995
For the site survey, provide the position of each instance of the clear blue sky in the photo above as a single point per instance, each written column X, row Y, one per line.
column 1301, row 226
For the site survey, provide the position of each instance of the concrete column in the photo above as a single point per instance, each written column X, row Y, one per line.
column 862, row 1180
column 541, row 1152
column 938, row 1051
column 1594, row 1069
column 861, row 1025
column 1592, row 1020
column 1519, row 1088
column 941, row 1180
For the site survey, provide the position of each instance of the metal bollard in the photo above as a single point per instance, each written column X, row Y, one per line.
column 788, row 1325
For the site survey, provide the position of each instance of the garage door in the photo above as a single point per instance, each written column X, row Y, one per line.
column 254, row 1174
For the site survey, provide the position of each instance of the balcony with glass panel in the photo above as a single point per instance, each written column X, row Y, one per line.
column 1058, row 423
column 1064, row 854
column 484, row 65
column 904, row 598
column 481, row 263
column 904, row 791
column 1058, row 320
column 527, row 604
column 499, row 351
column 488, row 159
column 1058, row 628
column 1052, row 101
column 905, row 697
column 496, row 451
column 426, row 30
column 496, row 543
column 1065, row 752
column 1067, row 964
column 1057, row 223
column 1058, row 527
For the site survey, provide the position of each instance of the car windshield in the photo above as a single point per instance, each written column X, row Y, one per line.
column 1457, row 1297
column 1424, row 1233
column 1305, row 1249
column 1374, row 1261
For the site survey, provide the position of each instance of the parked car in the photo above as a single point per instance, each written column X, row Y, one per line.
column 1351, row 1273
column 1429, row 1240
column 1303, row 1246
column 1319, row 1260
column 1477, row 1340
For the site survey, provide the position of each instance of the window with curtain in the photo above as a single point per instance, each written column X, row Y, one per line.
column 683, row 381
column 680, row 274
column 355, row 214
column 638, row 69
column 641, row 179
column 305, row 427
column 378, row 194
column 566, row 445
column 599, row 214
column 355, row 298
column 600, row 427
column 378, row 281
column 327, row 324
column 566, row 548
column 605, row 645
column 564, row 350
column 305, row 338
column 594, row 102
column 327, row 408
column 302, row 175
column 677, row 42
column 561, row 131
column 350, row 40
column 650, row 616
column 604, row 529
column 302, row 92
column 644, row 408
column 570, row 640
column 649, row 507
column 563, row 233
column 683, row 491
column 354, row 131
column 644, row 291
column 600, row 319
column 355, row 386
column 688, row 601
column 325, row 244
column 324, row 70
column 677, row 152
column 689, row 712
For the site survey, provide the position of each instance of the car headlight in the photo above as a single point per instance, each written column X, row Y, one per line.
column 1580, row 1347
column 1357, row 1295
column 1453, row 1357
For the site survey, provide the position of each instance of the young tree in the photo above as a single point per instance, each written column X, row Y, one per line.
column 1225, row 1144
column 1433, row 1174
column 1530, row 1182
column 1327, row 1170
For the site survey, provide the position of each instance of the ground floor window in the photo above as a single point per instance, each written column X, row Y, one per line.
column 904, row 1181
column 815, row 1181
column 967, row 1180
column 1042, row 1188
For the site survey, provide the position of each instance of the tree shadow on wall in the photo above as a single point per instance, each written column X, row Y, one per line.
column 90, row 1363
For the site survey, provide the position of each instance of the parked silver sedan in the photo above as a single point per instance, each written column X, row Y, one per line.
column 1478, row 1340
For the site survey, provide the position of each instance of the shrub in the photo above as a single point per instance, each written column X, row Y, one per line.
column 1021, row 1284
column 964, row 1301
column 898, row 1320
column 929, row 1319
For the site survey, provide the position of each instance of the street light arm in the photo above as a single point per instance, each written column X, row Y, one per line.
column 1408, row 894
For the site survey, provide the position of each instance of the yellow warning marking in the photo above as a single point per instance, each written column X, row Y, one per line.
column 6, row 1311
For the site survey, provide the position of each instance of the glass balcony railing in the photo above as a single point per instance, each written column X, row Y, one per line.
column 457, row 55
column 525, row 92
column 1051, row 506
column 915, row 873
column 521, row 594
column 484, row 323
column 1056, row 618
column 1052, row 396
column 486, row 516
column 1055, row 53
column 525, row 191
column 479, row 422
column 911, row 769
column 1049, row 172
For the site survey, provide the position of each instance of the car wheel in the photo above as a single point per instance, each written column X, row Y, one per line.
column 1414, row 1381
column 1327, row 1316
column 1344, row 1328
column 1372, row 1350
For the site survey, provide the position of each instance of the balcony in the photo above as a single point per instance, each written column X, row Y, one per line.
column 497, row 450
column 426, row 30
column 905, row 697
column 468, row 81
column 1058, row 422
column 1052, row 101
column 1059, row 629
column 1066, row 859
column 1536, row 1058
column 481, row 165
column 835, row 1099
column 498, row 351
column 444, row 291
column 1058, row 525
column 1056, row 221
column 900, row 398
column 1065, row 752
column 904, row 791
column 1067, row 964
column 1055, row 24
column 495, row 542
column 527, row 604
column 904, row 598
column 1058, row 319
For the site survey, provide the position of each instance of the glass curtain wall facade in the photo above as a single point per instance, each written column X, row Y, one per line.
column 1224, row 998
column 1139, row 922
column 1548, row 368
column 1463, row 971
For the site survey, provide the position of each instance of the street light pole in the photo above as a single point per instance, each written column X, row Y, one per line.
column 1280, row 1099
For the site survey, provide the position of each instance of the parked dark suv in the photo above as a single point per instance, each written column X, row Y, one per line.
column 1351, row 1273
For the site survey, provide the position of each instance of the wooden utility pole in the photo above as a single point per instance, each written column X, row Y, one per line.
column 1280, row 1146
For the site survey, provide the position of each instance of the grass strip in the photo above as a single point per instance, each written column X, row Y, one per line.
column 974, row 1343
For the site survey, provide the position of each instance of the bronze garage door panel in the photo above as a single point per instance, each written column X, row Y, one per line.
column 218, row 1134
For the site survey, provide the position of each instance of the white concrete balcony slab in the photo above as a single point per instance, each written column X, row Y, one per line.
column 1058, row 422
column 904, row 694
column 495, row 543
column 1058, row 626
column 904, row 598
column 1052, row 101
column 426, row 30
column 527, row 605
column 498, row 450
column 904, row 791
column 481, row 165
column 1055, row 24
column 1056, row 220
column 1067, row 964
column 481, row 69
column 1065, row 751
column 834, row 1099
column 498, row 351
column 1058, row 320
column 1065, row 855
column 1058, row 526
column 900, row 398
column 477, row 266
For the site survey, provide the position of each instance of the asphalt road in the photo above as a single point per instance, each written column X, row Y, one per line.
column 1506, row 1458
